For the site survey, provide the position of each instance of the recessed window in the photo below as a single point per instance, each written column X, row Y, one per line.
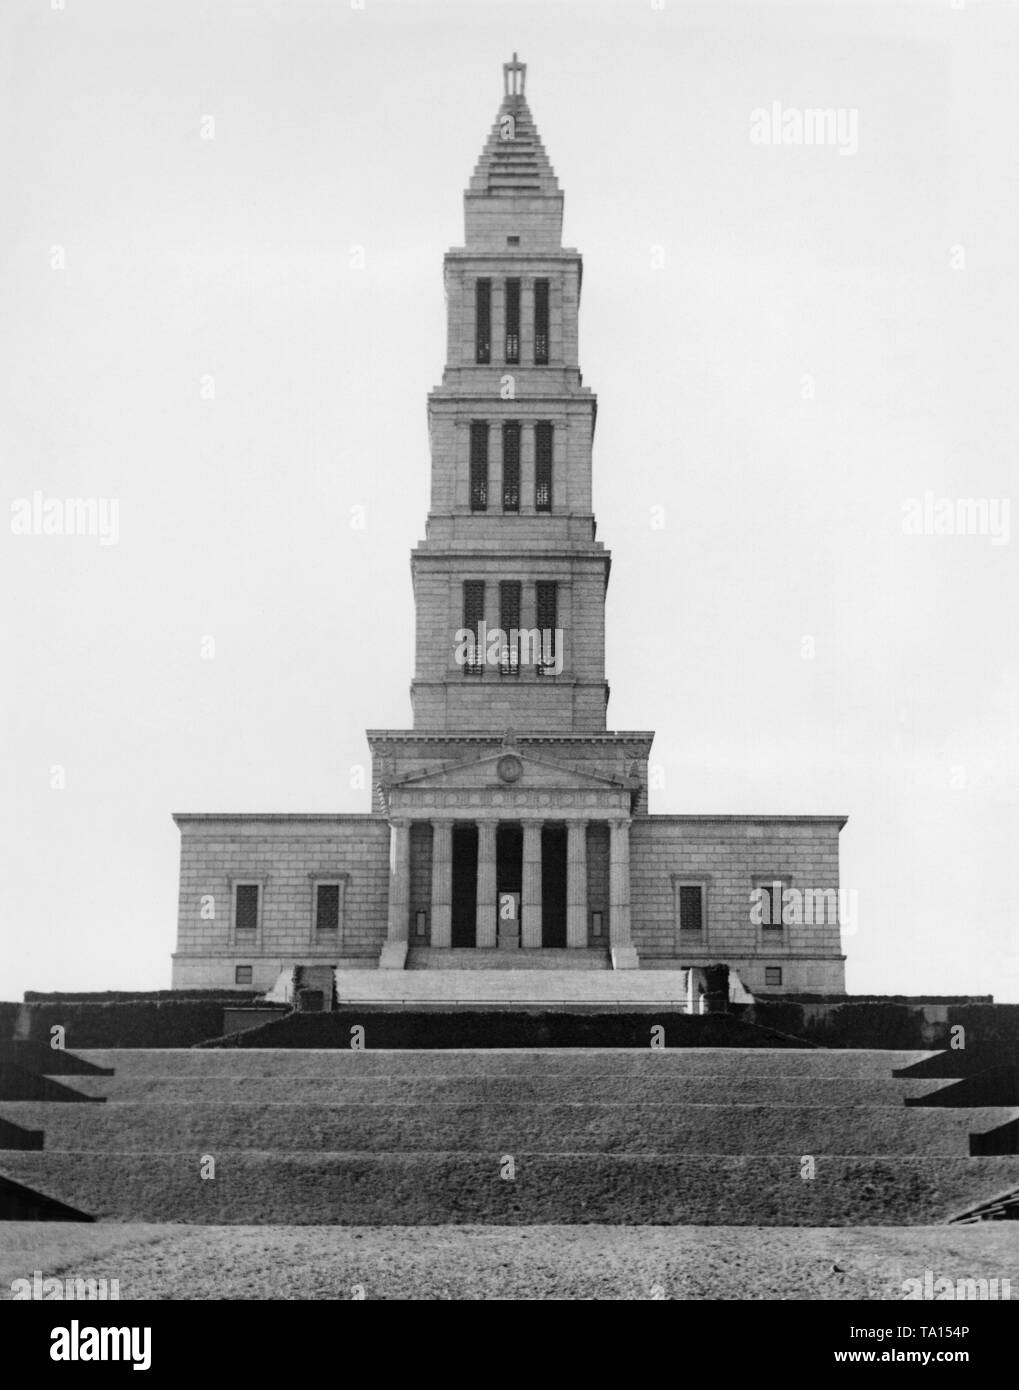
column 327, row 907
column 483, row 321
column 512, row 321
column 511, row 466
column 691, row 908
column 772, row 974
column 509, row 621
column 479, row 465
column 546, row 595
column 770, row 904
column 512, row 241
column 541, row 323
column 243, row 975
column 473, row 616
column 246, row 907
column 543, row 438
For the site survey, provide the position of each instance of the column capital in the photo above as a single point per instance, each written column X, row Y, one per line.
column 620, row 823
column 400, row 822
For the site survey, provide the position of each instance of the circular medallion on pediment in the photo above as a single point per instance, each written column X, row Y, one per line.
column 509, row 767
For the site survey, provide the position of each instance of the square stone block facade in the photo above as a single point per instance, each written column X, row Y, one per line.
column 286, row 856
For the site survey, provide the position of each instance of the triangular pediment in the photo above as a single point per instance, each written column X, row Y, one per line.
column 509, row 768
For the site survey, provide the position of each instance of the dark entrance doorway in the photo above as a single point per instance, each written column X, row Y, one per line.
column 509, row 872
column 465, row 885
column 509, row 858
column 553, row 885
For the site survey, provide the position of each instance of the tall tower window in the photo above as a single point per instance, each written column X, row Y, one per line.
column 483, row 321
column 473, row 617
column 511, row 466
column 546, row 593
column 541, row 323
column 543, row 466
column 479, row 465
column 512, row 321
column 509, row 621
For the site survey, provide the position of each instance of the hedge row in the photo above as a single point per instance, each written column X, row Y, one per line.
column 167, row 1023
column 886, row 1025
column 403, row 1028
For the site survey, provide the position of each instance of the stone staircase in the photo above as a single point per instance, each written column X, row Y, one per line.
column 618, row 1136
column 423, row 958
column 546, row 983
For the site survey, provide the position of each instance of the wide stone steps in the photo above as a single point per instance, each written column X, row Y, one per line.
column 512, row 986
column 455, row 958
column 383, row 1127
column 680, row 1136
column 426, row 1189
column 227, row 1088
column 560, row 1062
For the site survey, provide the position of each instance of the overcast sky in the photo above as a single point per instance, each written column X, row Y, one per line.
column 788, row 342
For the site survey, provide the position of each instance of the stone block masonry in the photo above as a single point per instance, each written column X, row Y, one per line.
column 285, row 856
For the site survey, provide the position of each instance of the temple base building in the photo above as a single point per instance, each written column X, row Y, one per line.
column 509, row 826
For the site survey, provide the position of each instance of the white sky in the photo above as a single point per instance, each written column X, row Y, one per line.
column 337, row 127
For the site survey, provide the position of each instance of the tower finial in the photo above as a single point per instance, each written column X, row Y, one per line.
column 514, row 76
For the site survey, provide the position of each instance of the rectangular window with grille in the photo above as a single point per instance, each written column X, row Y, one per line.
column 546, row 594
column 691, row 908
column 543, row 436
column 509, row 621
column 327, row 907
column 246, row 907
column 512, row 321
column 483, row 321
column 772, row 975
column 771, row 906
column 511, row 466
column 243, row 974
column 479, row 465
column 541, row 323
column 473, row 616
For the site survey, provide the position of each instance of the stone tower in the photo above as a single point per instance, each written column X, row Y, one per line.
column 510, row 582
column 510, row 536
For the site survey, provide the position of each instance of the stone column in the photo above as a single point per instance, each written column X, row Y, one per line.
column 442, row 882
column 394, row 952
column 487, row 928
column 462, row 486
column 624, row 957
column 576, row 883
column 530, row 898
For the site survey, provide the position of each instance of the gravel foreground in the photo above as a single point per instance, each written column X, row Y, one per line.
column 507, row 1262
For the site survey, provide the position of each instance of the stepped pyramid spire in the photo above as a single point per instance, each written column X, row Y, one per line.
column 513, row 185
column 514, row 159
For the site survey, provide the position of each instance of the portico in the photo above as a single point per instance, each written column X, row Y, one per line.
column 509, row 866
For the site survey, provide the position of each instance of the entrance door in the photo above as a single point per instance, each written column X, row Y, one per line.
column 509, row 860
column 465, row 885
column 553, row 885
